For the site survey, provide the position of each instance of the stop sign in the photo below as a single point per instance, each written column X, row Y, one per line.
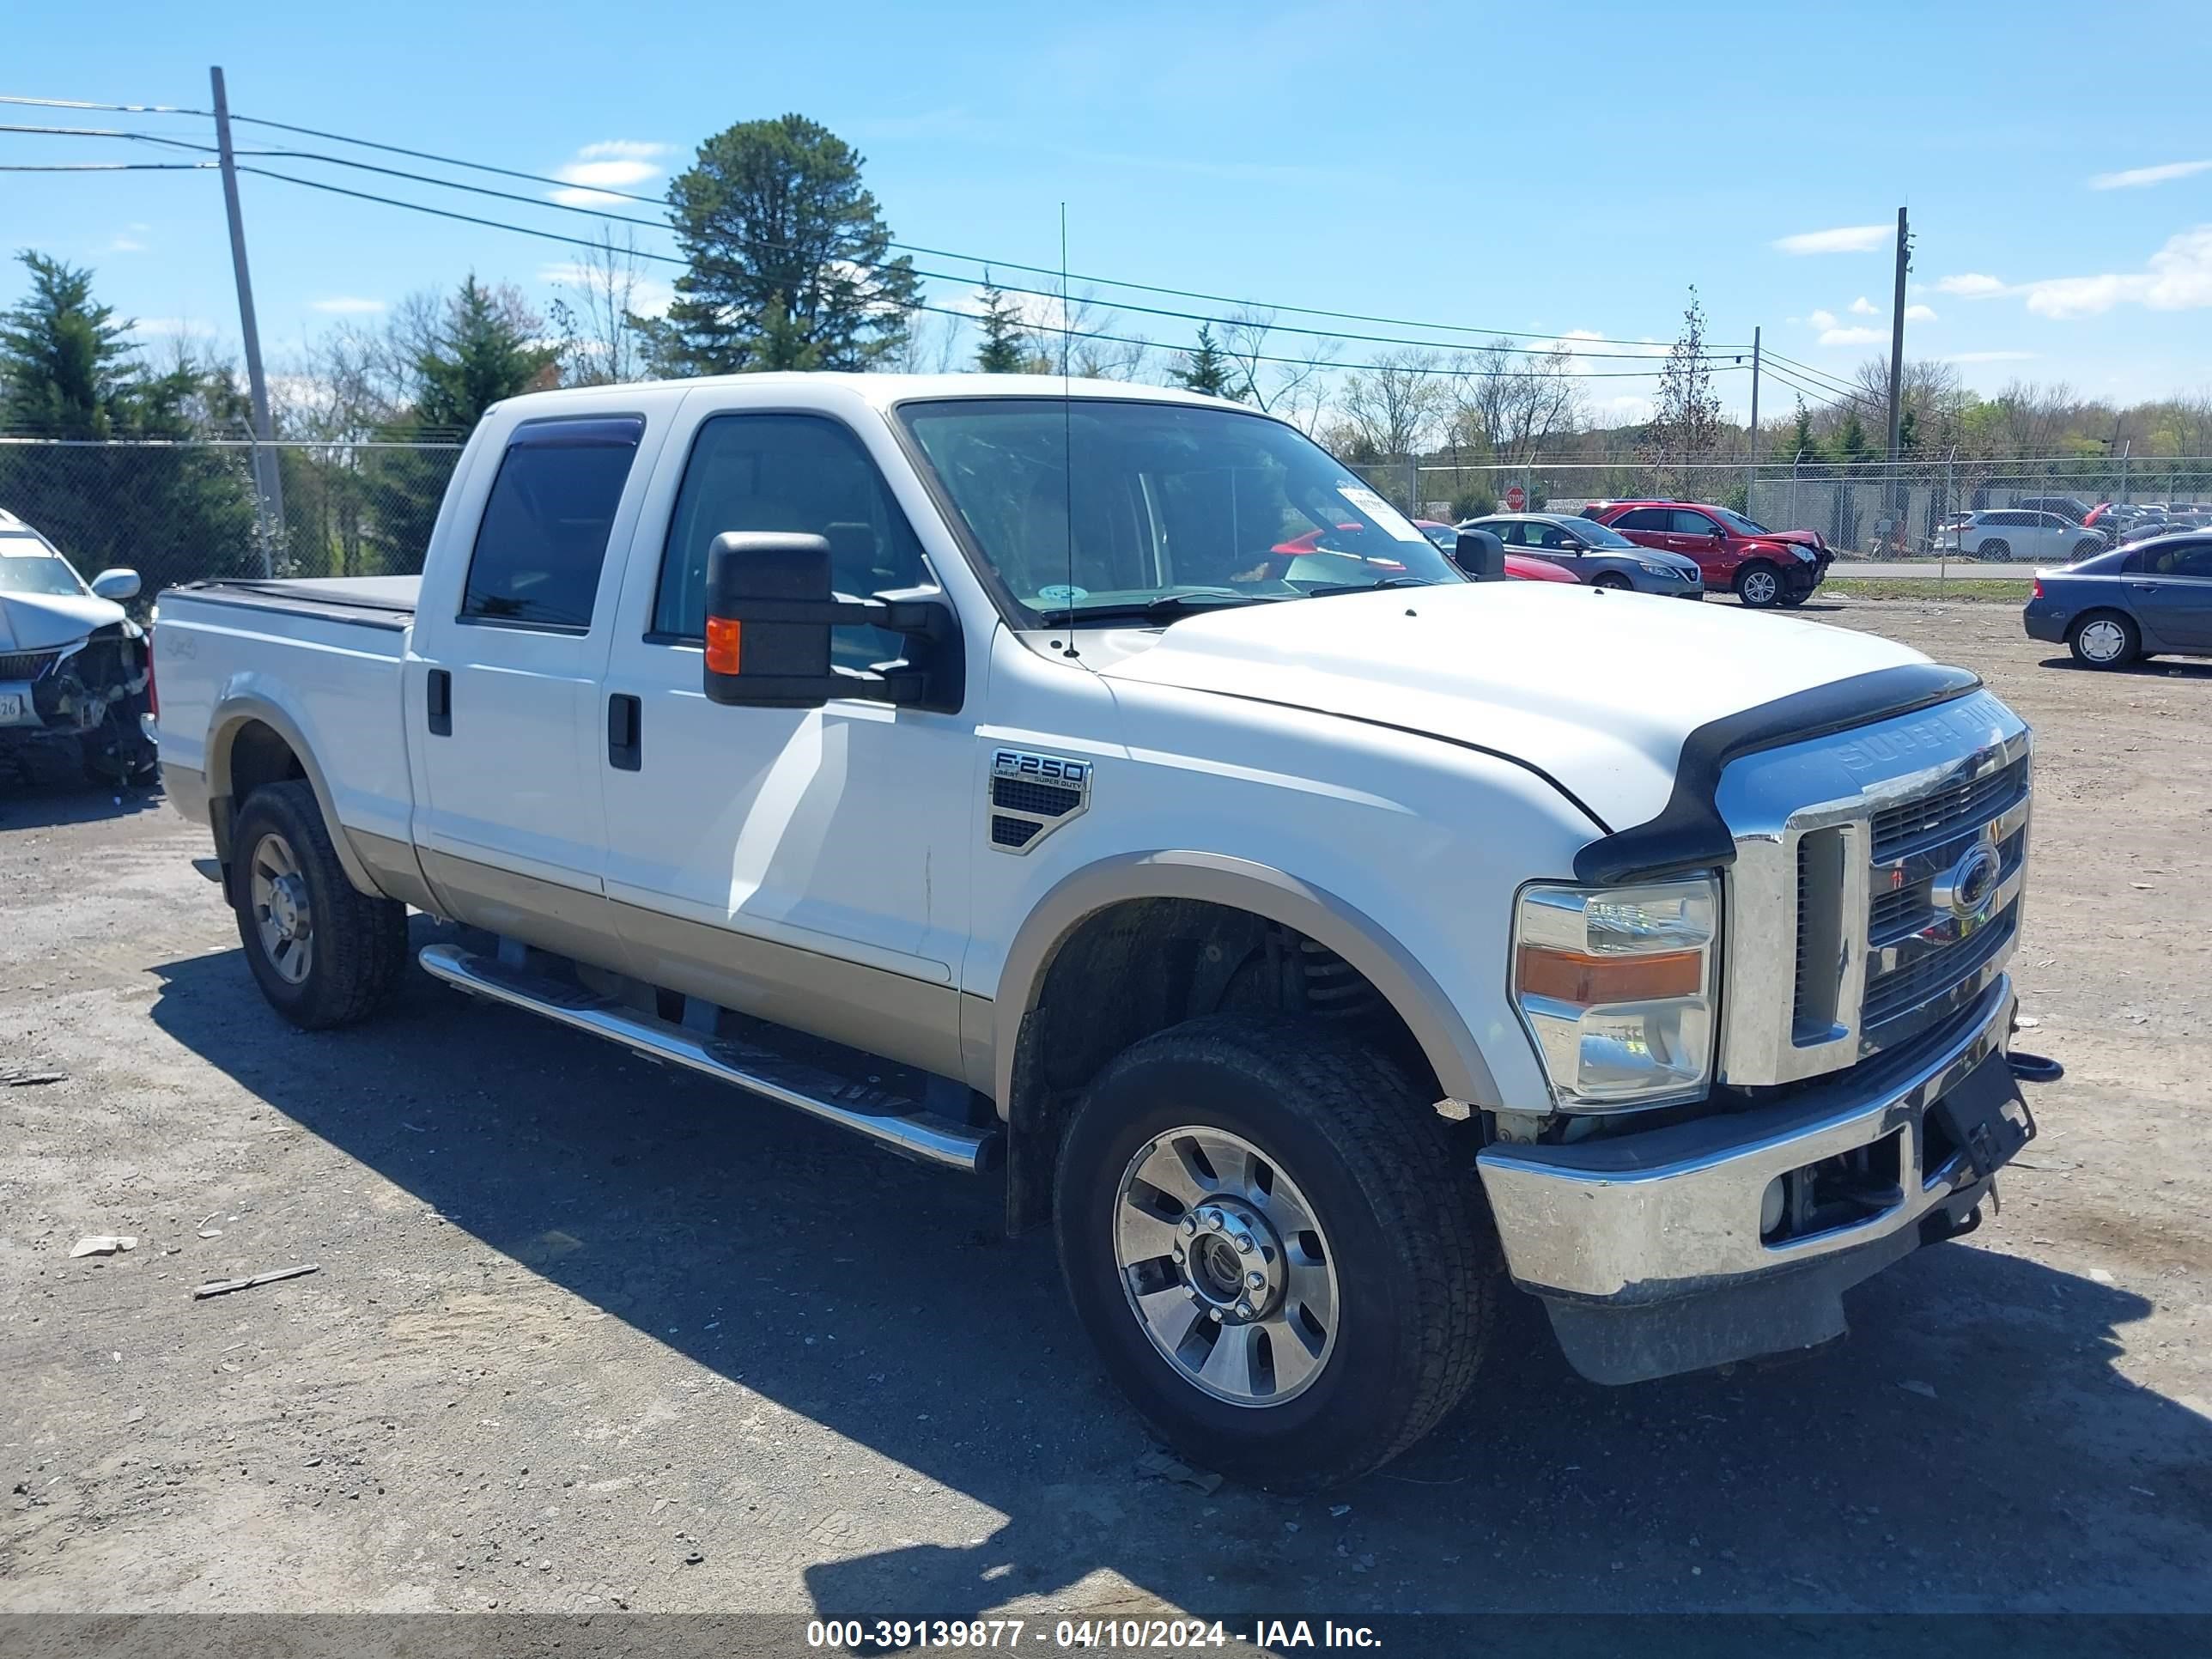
column 1515, row 499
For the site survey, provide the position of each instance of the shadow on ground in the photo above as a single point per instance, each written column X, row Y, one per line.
column 1970, row 1446
column 43, row 806
column 2179, row 668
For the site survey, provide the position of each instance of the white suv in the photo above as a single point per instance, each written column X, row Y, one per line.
column 2010, row 533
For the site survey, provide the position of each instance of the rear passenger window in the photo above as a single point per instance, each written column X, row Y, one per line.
column 543, row 537
column 1643, row 518
column 803, row 473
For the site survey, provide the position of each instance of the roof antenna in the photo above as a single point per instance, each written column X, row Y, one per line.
column 1067, row 437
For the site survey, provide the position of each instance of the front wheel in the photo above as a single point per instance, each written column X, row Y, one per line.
column 1283, row 1260
column 2104, row 639
column 1758, row 586
column 1994, row 550
column 1613, row 580
column 324, row 952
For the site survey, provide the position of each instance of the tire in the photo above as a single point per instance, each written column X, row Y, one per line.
column 2104, row 639
column 347, row 950
column 1994, row 550
column 118, row 754
column 1614, row 580
column 1790, row 601
column 1400, row 1253
column 1758, row 586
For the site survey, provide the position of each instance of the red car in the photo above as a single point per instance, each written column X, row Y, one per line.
column 1762, row 568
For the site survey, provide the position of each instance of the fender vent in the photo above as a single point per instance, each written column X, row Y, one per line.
column 1012, row 833
column 1043, row 800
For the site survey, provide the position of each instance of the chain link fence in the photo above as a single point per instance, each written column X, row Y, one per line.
column 181, row 512
column 1864, row 509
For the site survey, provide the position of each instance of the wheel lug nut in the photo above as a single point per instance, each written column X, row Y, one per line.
column 1255, row 1278
column 1190, row 1226
column 1178, row 1252
column 1245, row 1245
column 1243, row 1310
column 1214, row 1314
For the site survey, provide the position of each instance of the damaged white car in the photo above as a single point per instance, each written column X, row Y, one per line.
column 75, row 674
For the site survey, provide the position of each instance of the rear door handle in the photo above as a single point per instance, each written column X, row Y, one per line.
column 440, row 700
column 625, row 739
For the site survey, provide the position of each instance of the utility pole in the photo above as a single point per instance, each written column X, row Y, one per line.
column 1751, row 447
column 1897, row 339
column 268, row 482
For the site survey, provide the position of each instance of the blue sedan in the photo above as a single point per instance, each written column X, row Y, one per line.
column 2147, row 599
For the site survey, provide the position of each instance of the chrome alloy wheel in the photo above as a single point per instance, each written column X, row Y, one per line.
column 1225, row 1264
column 1760, row 587
column 2102, row 640
column 277, row 892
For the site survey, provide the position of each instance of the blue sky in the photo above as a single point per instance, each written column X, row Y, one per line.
column 1559, row 170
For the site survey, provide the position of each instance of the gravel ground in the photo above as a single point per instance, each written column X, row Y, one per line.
column 588, row 1335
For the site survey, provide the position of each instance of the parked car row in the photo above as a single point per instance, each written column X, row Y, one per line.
column 2018, row 532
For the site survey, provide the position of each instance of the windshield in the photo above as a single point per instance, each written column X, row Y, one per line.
column 1737, row 522
column 26, row 566
column 1166, row 505
column 1591, row 533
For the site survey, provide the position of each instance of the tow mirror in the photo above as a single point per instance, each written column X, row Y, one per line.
column 1480, row 554
column 118, row 584
column 769, row 611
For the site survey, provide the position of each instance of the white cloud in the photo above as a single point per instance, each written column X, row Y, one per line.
column 610, row 165
column 346, row 305
column 127, row 244
column 1970, row 285
column 1843, row 336
column 1844, row 239
column 648, row 297
column 1862, row 306
column 2177, row 278
column 1991, row 357
column 1919, row 314
column 1821, row 319
column 622, row 150
column 2138, row 178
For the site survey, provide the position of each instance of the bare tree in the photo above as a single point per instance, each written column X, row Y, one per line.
column 1390, row 408
column 594, row 313
column 1069, row 331
column 1289, row 378
column 1685, row 419
column 1512, row 405
column 931, row 343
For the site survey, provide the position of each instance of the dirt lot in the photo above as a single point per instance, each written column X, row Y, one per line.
column 585, row 1334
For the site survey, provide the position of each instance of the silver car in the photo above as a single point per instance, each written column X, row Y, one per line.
column 1593, row 555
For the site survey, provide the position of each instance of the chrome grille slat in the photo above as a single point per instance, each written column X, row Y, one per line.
column 1901, row 829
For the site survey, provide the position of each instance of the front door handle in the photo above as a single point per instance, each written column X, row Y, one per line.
column 438, row 699
column 625, row 740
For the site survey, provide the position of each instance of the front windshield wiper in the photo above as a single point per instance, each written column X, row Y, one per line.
column 1326, row 589
column 1166, row 607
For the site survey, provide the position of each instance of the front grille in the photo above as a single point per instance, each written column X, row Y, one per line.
column 25, row 665
column 1899, row 828
column 1928, row 976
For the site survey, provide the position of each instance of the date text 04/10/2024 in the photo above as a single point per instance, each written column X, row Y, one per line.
column 1156, row 1635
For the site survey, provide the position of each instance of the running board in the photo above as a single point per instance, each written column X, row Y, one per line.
column 902, row 1126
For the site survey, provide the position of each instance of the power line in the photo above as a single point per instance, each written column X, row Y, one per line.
column 118, row 109
column 931, row 252
column 1827, row 381
column 104, row 166
column 943, row 311
column 1802, row 390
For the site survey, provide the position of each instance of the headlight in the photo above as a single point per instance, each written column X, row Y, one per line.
column 1665, row 570
column 1614, row 985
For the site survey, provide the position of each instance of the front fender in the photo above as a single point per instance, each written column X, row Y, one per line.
column 1263, row 890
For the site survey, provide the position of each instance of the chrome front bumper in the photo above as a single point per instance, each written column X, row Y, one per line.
column 1647, row 1248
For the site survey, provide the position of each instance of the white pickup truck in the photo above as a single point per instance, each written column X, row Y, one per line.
column 1105, row 783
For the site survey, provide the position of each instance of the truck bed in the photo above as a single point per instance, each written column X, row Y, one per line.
column 319, row 656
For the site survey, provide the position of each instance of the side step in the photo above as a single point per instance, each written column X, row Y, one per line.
column 902, row 1126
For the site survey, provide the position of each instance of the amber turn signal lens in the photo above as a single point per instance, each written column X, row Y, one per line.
column 722, row 645
column 1587, row 980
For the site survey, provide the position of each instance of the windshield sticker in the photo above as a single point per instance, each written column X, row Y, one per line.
column 1394, row 523
column 1061, row 593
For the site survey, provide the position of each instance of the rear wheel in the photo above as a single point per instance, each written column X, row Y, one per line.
column 1268, row 1235
column 2104, row 639
column 324, row 952
column 1994, row 550
column 1758, row 586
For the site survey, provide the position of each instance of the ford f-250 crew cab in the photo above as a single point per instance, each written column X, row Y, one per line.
column 1320, row 951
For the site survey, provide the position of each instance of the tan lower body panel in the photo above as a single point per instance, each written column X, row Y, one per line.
column 877, row 1012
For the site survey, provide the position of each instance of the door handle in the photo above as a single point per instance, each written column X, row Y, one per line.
column 625, row 744
column 440, row 700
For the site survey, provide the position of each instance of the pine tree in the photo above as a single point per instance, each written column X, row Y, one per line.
column 1208, row 369
column 64, row 361
column 1801, row 440
column 484, row 351
column 1001, row 351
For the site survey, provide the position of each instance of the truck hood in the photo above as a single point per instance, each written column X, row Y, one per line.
column 36, row 622
column 1596, row 689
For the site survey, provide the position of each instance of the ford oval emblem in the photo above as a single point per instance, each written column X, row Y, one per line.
column 1967, row 888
